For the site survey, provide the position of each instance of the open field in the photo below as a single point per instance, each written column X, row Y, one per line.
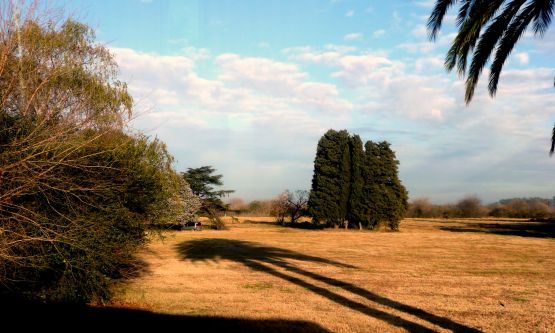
column 433, row 275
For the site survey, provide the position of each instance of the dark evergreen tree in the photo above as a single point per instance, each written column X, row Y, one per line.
column 356, row 185
column 372, row 203
column 344, row 177
column 393, row 194
column 202, row 182
column 330, row 183
column 356, row 213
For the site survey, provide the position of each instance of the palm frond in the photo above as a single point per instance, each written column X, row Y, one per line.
column 436, row 17
column 479, row 13
column 463, row 12
column 486, row 45
column 506, row 44
column 543, row 17
column 552, row 142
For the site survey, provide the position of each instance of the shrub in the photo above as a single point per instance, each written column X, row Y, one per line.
column 76, row 192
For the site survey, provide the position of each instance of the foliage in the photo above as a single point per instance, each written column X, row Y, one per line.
column 421, row 207
column 523, row 208
column 470, row 206
column 356, row 211
column 202, row 182
column 290, row 204
column 76, row 192
column 331, row 181
column 356, row 185
column 279, row 208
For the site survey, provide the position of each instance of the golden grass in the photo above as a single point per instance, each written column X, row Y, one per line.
column 433, row 275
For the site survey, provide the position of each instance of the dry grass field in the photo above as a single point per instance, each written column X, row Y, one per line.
column 433, row 275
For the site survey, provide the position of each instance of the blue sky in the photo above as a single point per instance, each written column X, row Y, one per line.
column 250, row 86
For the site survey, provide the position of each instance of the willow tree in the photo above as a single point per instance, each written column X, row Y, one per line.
column 75, row 188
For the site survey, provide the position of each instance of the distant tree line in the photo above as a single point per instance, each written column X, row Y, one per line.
column 287, row 207
column 472, row 206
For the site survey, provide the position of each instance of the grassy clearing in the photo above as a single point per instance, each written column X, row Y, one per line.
column 433, row 275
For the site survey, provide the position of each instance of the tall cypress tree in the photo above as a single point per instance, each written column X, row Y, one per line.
column 330, row 184
column 344, row 176
column 384, row 197
column 372, row 200
column 394, row 196
column 356, row 213
column 356, row 184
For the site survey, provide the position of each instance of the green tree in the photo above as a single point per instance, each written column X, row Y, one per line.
column 203, row 184
column 394, row 195
column 345, row 177
column 485, row 27
column 356, row 213
column 292, row 204
column 356, row 185
column 329, row 195
column 76, row 191
column 373, row 201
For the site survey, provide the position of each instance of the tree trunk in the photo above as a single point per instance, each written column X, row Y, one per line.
column 359, row 226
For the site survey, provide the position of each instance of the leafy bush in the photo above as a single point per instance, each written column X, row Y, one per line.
column 76, row 192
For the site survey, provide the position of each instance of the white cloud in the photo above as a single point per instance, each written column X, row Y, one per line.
column 360, row 69
column 279, row 80
column 328, row 55
column 195, row 54
column 523, row 58
column 419, row 31
column 428, row 64
column 256, row 109
column 263, row 45
column 425, row 3
column 427, row 46
column 378, row 33
column 259, row 73
column 353, row 36
column 350, row 13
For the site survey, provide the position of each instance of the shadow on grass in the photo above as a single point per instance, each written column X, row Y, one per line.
column 267, row 259
column 544, row 229
column 24, row 316
column 306, row 225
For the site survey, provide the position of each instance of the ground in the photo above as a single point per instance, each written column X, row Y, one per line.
column 432, row 275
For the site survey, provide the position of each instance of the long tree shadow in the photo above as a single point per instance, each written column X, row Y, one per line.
column 24, row 316
column 263, row 258
column 541, row 229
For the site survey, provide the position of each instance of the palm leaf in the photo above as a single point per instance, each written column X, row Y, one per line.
column 463, row 12
column 552, row 142
column 544, row 15
column 486, row 45
column 507, row 43
column 479, row 13
column 436, row 17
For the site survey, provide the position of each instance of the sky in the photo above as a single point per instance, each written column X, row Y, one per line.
column 249, row 87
